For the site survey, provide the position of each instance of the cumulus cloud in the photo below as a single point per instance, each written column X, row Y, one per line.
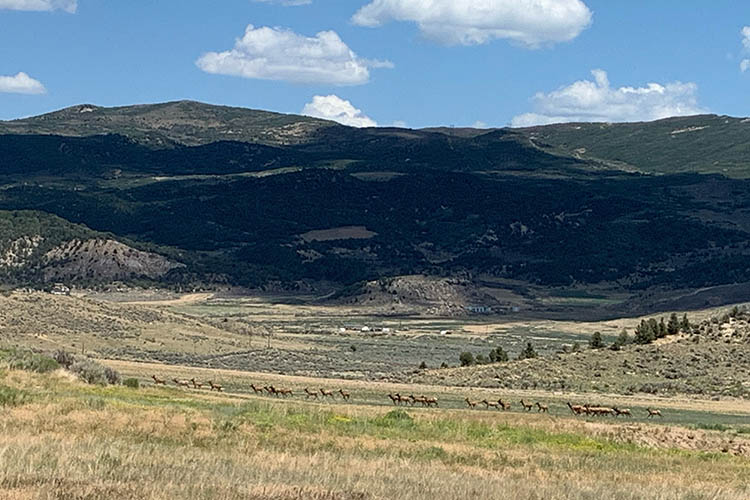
column 40, row 5
column 280, row 54
column 597, row 101
column 469, row 22
column 21, row 84
column 745, row 63
column 332, row 107
column 286, row 2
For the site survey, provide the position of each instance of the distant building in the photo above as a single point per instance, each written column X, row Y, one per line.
column 479, row 309
column 59, row 289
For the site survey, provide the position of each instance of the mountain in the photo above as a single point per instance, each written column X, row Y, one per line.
column 161, row 125
column 632, row 210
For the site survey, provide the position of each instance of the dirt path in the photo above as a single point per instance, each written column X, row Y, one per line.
column 191, row 298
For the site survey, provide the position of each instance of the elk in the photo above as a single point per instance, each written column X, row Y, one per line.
column 421, row 399
column 344, row 395
column 181, row 383
column 471, row 404
column 526, row 406
column 270, row 390
column 215, row 387
column 576, row 409
column 599, row 411
column 329, row 393
column 542, row 407
column 393, row 398
column 487, row 405
column 311, row 394
column 285, row 392
column 652, row 412
column 256, row 390
column 431, row 401
column 506, row 406
column 158, row 381
column 403, row 399
column 622, row 411
column 196, row 385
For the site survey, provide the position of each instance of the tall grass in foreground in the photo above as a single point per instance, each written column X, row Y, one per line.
column 67, row 440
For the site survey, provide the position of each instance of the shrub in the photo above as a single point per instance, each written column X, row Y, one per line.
column 92, row 372
column 133, row 383
column 466, row 358
column 423, row 366
column 443, row 365
column 498, row 355
column 11, row 397
column 29, row 361
column 64, row 358
column 596, row 341
column 113, row 376
column 481, row 359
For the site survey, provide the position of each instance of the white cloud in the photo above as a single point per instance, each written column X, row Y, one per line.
column 470, row 22
column 332, row 107
column 596, row 101
column 280, row 54
column 479, row 124
column 21, row 84
column 745, row 63
column 40, row 5
column 286, row 2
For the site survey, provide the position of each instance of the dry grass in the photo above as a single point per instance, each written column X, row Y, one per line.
column 81, row 442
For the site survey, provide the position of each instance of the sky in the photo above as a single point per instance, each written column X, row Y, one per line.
column 408, row 63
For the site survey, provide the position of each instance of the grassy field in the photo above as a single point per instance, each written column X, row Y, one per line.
column 63, row 439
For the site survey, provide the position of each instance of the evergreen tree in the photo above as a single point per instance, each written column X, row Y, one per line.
column 685, row 324
column 621, row 341
column 596, row 341
column 466, row 359
column 645, row 333
column 528, row 352
column 498, row 355
column 673, row 326
column 662, row 329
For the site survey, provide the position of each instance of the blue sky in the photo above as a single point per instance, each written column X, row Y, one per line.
column 408, row 62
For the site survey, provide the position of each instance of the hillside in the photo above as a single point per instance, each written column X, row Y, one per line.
column 41, row 248
column 712, row 361
column 162, row 125
column 490, row 206
column 705, row 144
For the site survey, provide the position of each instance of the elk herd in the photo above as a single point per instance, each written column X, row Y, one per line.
column 411, row 400
column 612, row 411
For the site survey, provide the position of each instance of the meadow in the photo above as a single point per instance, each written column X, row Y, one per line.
column 65, row 439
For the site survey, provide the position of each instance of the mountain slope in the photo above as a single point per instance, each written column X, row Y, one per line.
column 705, row 144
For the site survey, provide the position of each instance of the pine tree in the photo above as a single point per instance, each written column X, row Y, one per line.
column 498, row 355
column 621, row 341
column 673, row 326
column 662, row 329
column 596, row 341
column 528, row 352
column 685, row 324
column 645, row 332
